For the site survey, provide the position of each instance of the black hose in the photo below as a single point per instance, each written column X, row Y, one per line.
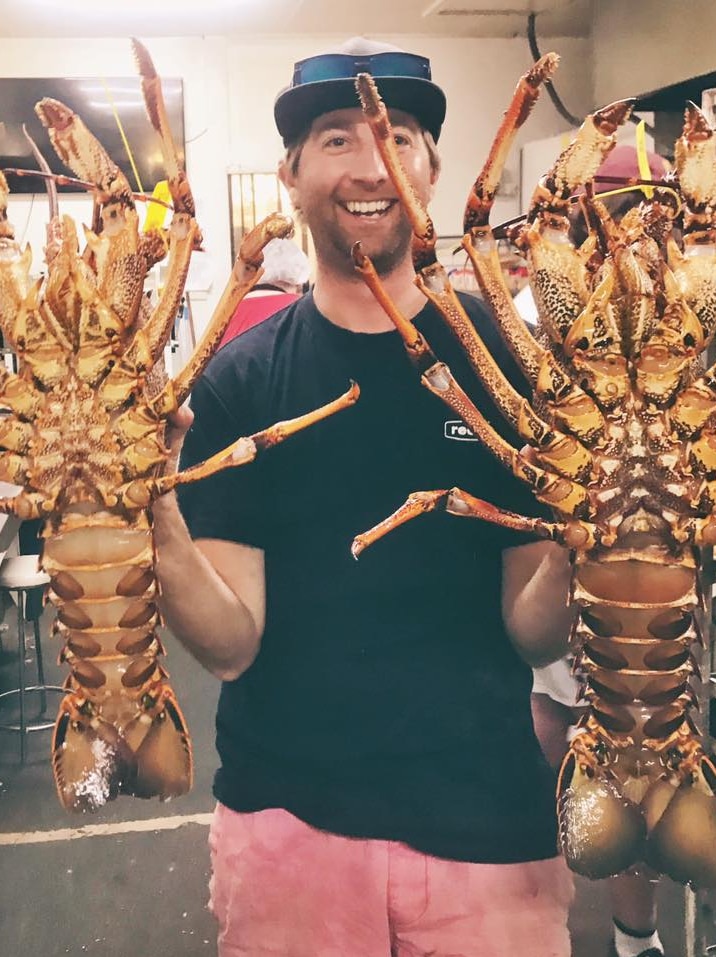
column 553, row 95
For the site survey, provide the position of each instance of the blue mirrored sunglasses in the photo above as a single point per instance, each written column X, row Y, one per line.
column 342, row 66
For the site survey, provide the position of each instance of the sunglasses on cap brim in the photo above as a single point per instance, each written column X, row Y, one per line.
column 343, row 66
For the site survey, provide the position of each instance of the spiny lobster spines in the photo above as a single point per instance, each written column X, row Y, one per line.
column 85, row 440
column 624, row 453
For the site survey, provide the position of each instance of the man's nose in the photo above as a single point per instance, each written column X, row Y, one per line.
column 369, row 167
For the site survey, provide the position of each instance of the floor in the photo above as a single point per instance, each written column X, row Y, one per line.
column 131, row 880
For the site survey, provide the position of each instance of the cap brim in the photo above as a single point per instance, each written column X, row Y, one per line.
column 297, row 107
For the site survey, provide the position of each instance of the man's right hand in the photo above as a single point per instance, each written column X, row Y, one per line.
column 178, row 424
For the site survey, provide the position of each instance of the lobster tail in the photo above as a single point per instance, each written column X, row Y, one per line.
column 601, row 832
column 120, row 730
column 682, row 844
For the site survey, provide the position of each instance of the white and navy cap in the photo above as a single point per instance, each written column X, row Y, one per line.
column 327, row 82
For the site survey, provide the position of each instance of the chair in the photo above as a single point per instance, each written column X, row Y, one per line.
column 19, row 574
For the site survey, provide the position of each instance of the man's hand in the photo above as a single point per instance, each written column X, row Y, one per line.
column 165, row 508
column 178, row 424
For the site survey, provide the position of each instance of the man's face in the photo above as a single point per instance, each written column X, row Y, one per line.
column 344, row 193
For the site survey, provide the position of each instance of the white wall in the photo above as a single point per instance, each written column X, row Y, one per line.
column 642, row 46
column 229, row 88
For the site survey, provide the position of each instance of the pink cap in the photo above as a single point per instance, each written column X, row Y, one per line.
column 622, row 161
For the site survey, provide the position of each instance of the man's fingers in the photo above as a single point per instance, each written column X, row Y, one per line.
column 181, row 420
column 178, row 424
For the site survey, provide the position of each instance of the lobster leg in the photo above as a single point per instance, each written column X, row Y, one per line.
column 243, row 451
column 557, row 269
column 558, row 272
column 481, row 248
column 118, row 256
column 33, row 335
column 431, row 278
column 455, row 501
column 558, row 451
column 246, row 273
column 156, row 110
column 184, row 233
column 482, row 196
column 152, row 339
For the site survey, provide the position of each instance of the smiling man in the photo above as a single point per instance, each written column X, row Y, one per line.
column 381, row 792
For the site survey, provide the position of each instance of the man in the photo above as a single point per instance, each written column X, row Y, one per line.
column 381, row 791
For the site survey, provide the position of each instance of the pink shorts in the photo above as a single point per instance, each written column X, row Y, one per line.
column 282, row 888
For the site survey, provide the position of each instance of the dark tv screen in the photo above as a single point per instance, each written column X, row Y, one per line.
column 95, row 100
column 668, row 104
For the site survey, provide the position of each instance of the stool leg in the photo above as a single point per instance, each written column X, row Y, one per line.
column 21, row 671
column 40, row 666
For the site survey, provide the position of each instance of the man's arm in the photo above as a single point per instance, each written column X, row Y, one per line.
column 535, row 587
column 212, row 593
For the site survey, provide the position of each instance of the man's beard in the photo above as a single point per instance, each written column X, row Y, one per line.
column 333, row 247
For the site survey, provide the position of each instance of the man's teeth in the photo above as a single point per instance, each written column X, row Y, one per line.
column 376, row 206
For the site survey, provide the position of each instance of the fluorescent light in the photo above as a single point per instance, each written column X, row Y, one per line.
column 119, row 104
column 149, row 8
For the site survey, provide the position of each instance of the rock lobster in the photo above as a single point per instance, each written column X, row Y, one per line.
column 619, row 443
column 84, row 438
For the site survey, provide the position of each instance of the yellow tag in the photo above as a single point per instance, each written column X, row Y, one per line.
column 156, row 213
column 642, row 162
column 642, row 158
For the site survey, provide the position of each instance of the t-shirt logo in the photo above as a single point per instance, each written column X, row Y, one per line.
column 456, row 429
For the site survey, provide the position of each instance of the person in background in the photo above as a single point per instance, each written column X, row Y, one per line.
column 381, row 791
column 285, row 278
column 555, row 690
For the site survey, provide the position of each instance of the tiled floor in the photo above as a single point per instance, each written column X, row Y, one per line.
column 128, row 886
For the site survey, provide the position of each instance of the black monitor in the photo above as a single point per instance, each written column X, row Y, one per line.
column 100, row 102
column 667, row 104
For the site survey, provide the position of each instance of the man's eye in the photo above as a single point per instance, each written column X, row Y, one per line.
column 336, row 140
column 401, row 139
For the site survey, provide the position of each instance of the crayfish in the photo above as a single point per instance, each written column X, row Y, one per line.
column 84, row 437
column 619, row 442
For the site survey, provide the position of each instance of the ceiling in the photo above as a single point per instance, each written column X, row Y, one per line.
column 440, row 18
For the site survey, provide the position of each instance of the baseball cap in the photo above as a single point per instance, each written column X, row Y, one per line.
column 623, row 161
column 327, row 82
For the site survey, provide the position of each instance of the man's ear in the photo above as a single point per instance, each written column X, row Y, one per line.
column 434, row 177
column 288, row 179
column 285, row 174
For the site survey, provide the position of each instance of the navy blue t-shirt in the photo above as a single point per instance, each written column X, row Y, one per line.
column 386, row 700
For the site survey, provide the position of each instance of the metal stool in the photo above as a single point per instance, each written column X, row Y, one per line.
column 20, row 574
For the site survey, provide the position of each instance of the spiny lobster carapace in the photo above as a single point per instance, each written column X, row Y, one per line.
column 620, row 443
column 84, row 437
